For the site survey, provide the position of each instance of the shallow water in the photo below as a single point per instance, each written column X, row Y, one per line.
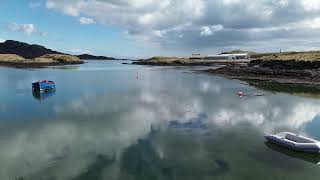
column 112, row 121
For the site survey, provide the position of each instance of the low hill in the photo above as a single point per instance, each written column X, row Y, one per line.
column 62, row 58
column 92, row 57
column 28, row 51
column 294, row 56
column 10, row 58
column 45, row 60
column 278, row 55
column 31, row 51
column 238, row 52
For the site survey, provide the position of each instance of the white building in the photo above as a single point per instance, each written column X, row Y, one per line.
column 224, row 56
column 242, row 56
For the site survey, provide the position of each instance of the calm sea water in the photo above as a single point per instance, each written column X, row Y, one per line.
column 121, row 122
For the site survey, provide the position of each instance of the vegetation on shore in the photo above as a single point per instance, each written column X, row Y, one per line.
column 294, row 56
column 10, row 58
column 287, row 67
column 183, row 61
column 59, row 58
column 284, row 56
column 45, row 60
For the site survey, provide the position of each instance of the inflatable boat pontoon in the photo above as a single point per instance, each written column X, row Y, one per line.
column 295, row 142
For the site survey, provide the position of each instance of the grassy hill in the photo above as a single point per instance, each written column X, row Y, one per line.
column 284, row 56
column 10, row 57
column 45, row 60
column 296, row 56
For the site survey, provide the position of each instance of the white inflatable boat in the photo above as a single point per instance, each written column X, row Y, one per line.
column 295, row 142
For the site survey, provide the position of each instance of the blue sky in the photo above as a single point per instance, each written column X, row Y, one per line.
column 64, row 33
column 140, row 28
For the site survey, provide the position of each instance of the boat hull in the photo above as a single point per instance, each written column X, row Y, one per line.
column 310, row 147
column 43, row 86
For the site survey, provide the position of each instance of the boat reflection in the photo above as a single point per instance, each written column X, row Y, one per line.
column 195, row 123
column 41, row 96
column 309, row 157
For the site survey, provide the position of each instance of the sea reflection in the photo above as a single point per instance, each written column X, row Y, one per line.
column 196, row 123
column 303, row 90
column 41, row 96
column 105, row 124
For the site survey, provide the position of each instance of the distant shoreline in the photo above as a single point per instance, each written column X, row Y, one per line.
column 36, row 65
column 290, row 67
column 171, row 61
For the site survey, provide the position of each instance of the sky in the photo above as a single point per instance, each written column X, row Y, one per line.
column 143, row 28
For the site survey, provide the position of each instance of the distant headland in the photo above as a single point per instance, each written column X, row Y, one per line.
column 16, row 53
column 282, row 67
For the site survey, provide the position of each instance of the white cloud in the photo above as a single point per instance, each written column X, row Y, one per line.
column 210, row 30
column 311, row 5
column 86, row 21
column 283, row 3
column 80, row 51
column 134, row 14
column 67, row 9
column 2, row 40
column 176, row 23
column 26, row 28
column 160, row 34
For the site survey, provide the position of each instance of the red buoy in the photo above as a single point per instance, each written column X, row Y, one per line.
column 240, row 94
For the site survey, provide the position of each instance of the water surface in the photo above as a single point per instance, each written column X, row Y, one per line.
column 112, row 121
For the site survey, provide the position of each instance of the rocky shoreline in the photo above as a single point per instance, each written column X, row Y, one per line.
column 171, row 61
column 280, row 71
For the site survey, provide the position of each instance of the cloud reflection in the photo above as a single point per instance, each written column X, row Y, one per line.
column 110, row 122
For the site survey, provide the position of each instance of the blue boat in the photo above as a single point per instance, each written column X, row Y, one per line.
column 43, row 85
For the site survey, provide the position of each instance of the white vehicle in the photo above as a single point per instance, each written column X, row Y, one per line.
column 295, row 142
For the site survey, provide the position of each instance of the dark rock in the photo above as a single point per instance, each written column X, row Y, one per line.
column 289, row 64
column 294, row 70
column 92, row 57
